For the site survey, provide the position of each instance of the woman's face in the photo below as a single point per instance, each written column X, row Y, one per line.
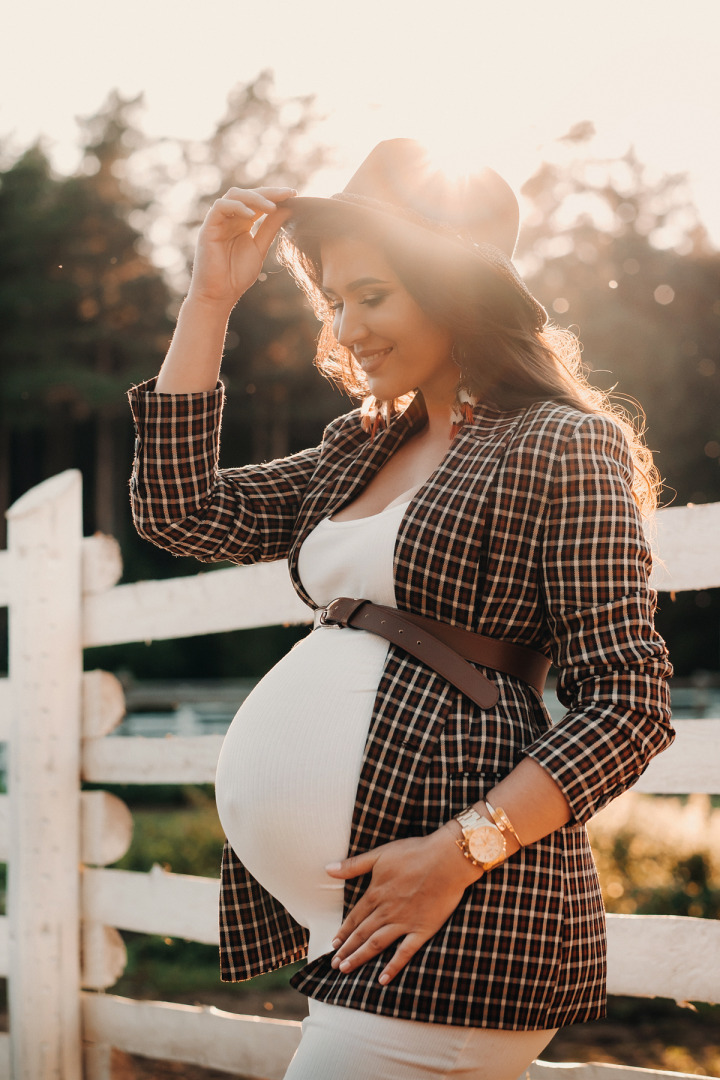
column 395, row 343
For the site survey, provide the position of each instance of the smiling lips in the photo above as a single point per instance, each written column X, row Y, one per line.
column 372, row 359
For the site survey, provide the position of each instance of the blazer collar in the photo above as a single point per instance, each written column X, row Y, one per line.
column 366, row 457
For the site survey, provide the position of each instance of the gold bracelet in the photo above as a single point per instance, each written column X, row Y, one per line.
column 502, row 821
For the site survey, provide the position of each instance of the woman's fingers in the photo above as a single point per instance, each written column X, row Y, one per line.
column 261, row 200
column 404, row 952
column 244, row 206
column 268, row 230
column 355, row 865
column 360, row 948
column 416, row 884
column 360, row 951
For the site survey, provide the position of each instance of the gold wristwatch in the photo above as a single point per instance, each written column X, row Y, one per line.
column 482, row 841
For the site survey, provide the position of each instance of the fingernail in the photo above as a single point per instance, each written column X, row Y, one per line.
column 335, row 962
column 345, row 965
column 336, row 942
column 384, row 978
column 333, row 866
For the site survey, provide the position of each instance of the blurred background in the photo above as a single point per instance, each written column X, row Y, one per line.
column 119, row 126
column 117, row 133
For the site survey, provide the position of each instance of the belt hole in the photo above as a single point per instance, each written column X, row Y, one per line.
column 418, row 642
column 401, row 631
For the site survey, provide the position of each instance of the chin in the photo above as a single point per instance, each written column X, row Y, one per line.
column 386, row 390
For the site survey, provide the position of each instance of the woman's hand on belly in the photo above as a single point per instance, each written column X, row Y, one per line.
column 416, row 885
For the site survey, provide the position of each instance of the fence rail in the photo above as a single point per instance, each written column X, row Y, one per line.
column 63, row 593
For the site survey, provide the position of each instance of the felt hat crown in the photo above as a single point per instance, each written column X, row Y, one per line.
column 478, row 214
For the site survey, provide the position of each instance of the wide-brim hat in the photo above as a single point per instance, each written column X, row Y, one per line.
column 397, row 187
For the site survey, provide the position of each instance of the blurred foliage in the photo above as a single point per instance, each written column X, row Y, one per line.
column 626, row 262
column 659, row 855
column 187, row 841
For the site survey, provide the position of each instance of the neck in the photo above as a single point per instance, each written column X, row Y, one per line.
column 438, row 421
column 438, row 404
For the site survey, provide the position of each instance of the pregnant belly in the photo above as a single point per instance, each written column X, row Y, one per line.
column 289, row 767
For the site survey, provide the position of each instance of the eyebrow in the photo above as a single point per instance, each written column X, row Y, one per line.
column 353, row 286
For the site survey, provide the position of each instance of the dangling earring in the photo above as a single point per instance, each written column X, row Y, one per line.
column 461, row 412
column 374, row 416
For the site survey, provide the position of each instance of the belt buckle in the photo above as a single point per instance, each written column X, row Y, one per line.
column 347, row 606
column 325, row 615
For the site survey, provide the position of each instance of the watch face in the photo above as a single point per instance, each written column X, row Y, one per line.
column 486, row 844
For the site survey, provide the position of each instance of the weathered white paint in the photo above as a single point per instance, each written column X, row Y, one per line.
column 5, row 708
column 4, row 1056
column 103, row 702
column 104, row 956
column 254, row 1046
column 44, row 536
column 206, row 603
column 692, row 763
column 106, row 828
column 551, row 1070
column 174, row 905
column 250, row 1046
column 136, row 760
column 687, row 543
column 97, row 1061
column 664, row 956
column 102, row 564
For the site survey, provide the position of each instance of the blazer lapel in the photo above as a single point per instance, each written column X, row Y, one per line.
column 348, row 478
column 437, row 557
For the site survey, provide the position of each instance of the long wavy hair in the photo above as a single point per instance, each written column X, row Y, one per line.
column 503, row 359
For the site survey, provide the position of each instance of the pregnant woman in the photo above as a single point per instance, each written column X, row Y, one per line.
column 408, row 820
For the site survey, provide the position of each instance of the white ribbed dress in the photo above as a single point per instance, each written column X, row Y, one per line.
column 289, row 767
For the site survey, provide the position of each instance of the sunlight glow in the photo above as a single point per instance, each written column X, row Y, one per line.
column 479, row 84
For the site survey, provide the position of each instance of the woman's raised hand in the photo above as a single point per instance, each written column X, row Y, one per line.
column 228, row 259
column 229, row 255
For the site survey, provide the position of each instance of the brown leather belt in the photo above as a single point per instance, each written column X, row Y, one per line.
column 442, row 647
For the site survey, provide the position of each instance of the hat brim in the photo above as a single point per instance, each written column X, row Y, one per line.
column 424, row 238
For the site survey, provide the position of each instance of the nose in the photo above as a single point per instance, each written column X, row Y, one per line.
column 349, row 326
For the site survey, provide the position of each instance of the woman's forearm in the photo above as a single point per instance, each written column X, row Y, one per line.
column 228, row 258
column 193, row 360
column 532, row 800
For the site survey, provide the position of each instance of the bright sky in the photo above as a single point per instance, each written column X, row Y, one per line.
column 493, row 82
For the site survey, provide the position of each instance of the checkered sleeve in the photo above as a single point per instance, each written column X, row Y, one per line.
column 182, row 501
column 613, row 665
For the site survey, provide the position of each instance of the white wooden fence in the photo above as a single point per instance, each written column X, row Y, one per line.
column 59, row 943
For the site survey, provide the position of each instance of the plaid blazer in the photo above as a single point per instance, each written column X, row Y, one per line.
column 526, row 531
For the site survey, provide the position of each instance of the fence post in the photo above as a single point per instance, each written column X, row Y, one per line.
column 45, row 538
